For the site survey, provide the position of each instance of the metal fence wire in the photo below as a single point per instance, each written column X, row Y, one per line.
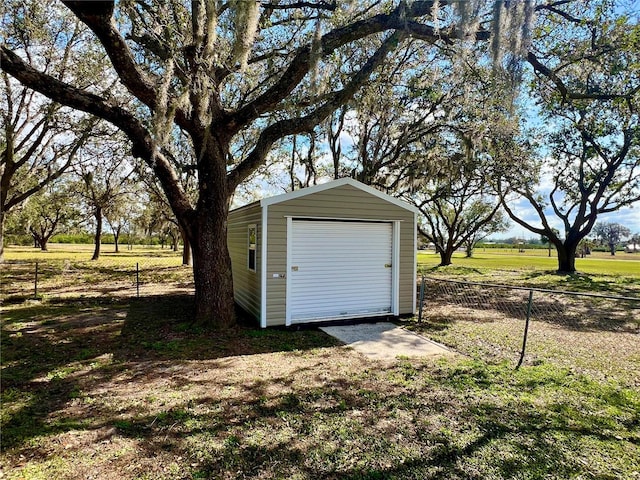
column 110, row 277
column 485, row 301
column 441, row 298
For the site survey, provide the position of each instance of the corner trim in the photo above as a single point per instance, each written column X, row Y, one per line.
column 395, row 261
column 288, row 272
column 263, row 270
column 415, row 260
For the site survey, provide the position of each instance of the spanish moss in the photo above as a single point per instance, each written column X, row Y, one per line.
column 246, row 19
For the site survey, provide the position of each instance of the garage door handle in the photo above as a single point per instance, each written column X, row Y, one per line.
column 294, row 268
column 387, row 265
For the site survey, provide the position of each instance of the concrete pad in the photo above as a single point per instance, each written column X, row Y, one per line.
column 385, row 341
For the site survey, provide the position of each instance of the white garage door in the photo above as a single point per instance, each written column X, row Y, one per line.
column 339, row 269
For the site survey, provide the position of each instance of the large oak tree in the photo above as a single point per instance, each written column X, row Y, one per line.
column 237, row 77
column 191, row 65
column 589, row 96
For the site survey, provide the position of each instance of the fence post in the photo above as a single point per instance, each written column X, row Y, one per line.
column 421, row 300
column 35, row 285
column 526, row 329
column 137, row 280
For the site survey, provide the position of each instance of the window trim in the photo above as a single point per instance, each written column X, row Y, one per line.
column 252, row 247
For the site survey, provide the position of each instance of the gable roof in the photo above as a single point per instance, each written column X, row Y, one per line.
column 334, row 184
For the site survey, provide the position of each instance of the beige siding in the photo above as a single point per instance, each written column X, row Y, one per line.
column 340, row 202
column 246, row 283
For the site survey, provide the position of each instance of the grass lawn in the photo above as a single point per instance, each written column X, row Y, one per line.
column 66, row 271
column 111, row 387
column 627, row 264
column 599, row 273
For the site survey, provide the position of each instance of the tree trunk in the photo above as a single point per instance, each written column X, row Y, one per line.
column 612, row 248
column 292, row 164
column 116, row 236
column 567, row 257
column 1, row 235
column 174, row 240
column 97, row 239
column 39, row 239
column 207, row 231
column 212, row 271
column 469, row 250
column 186, row 248
column 445, row 256
column 44, row 242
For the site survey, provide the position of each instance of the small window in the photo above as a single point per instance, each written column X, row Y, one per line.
column 252, row 247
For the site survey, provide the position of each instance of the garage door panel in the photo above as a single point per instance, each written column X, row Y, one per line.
column 340, row 269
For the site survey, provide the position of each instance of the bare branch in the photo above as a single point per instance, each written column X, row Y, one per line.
column 564, row 90
column 330, row 6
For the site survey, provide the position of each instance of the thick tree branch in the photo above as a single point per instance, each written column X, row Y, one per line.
column 98, row 16
column 564, row 90
column 291, row 126
column 142, row 143
column 515, row 218
column 69, row 95
column 563, row 14
column 400, row 19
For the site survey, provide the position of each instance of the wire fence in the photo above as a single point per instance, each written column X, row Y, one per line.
column 118, row 277
column 500, row 318
column 573, row 309
column 596, row 334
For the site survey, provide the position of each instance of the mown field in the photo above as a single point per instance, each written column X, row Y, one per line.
column 66, row 271
column 622, row 264
column 110, row 386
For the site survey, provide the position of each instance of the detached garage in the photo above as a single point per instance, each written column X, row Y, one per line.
column 334, row 251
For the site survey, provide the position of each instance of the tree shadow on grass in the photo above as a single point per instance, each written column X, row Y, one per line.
column 448, row 270
column 349, row 429
column 583, row 282
column 408, row 420
column 161, row 328
column 52, row 351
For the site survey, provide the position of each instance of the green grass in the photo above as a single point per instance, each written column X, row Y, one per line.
column 489, row 259
column 604, row 274
column 119, row 387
